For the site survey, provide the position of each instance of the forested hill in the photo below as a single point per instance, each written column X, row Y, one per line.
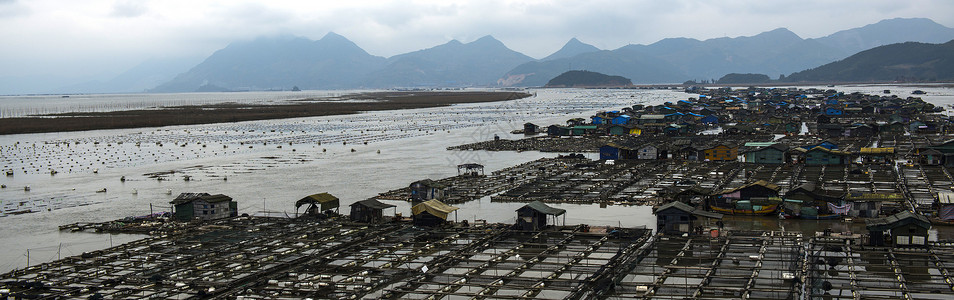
column 907, row 62
column 587, row 79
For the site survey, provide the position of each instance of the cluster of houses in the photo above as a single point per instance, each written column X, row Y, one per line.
column 427, row 209
column 765, row 111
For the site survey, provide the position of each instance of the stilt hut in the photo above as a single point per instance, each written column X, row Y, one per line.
column 317, row 203
column 431, row 213
column 470, row 170
column 678, row 218
column 368, row 211
column 423, row 190
column 903, row 229
column 533, row 216
column 530, row 128
column 203, row 206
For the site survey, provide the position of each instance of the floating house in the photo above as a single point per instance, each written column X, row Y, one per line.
column 431, row 213
column 426, row 189
column 557, row 130
column 583, row 130
column 624, row 129
column 534, row 216
column 530, row 128
column 824, row 156
column 317, row 203
column 946, row 151
column 871, row 205
column 368, row 211
column 807, row 201
column 876, row 155
column 904, row 229
column 679, row 218
column 203, row 206
column 757, row 198
column 945, row 206
column 721, row 152
column 772, row 154
column 615, row 151
column 470, row 170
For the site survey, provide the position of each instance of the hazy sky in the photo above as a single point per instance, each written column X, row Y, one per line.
column 93, row 39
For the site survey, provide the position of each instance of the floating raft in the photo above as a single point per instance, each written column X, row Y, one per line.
column 268, row 258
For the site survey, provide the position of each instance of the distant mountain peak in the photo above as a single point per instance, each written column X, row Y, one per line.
column 888, row 31
column 573, row 47
column 334, row 37
column 487, row 40
column 779, row 31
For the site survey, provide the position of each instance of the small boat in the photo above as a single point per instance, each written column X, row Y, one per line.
column 9, row 172
column 26, row 188
column 103, row 190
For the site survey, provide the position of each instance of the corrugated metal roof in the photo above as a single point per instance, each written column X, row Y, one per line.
column 945, row 197
column 187, row 197
column 897, row 220
column 689, row 209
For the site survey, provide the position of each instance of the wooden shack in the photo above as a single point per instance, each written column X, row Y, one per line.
column 721, row 153
column 431, row 213
column 772, row 154
column 368, row 211
column 945, row 206
column 317, row 203
column 530, row 128
column 904, row 229
column 203, row 206
column 426, row 189
column 678, row 218
column 533, row 216
column 470, row 170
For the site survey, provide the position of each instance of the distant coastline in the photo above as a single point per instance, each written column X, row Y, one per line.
column 225, row 113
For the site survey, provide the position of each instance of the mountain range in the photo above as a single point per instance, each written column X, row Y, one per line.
column 334, row 62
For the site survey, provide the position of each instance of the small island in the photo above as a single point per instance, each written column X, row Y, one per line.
column 588, row 79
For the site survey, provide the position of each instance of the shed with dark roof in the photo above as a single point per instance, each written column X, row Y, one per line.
column 903, row 229
column 368, row 211
column 534, row 215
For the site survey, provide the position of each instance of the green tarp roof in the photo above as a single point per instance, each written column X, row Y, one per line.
column 543, row 208
column 324, row 200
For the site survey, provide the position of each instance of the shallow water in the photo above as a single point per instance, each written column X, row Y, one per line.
column 243, row 160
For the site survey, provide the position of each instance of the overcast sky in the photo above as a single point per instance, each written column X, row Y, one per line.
column 95, row 39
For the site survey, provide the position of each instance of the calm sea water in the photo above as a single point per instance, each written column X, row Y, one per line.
column 267, row 165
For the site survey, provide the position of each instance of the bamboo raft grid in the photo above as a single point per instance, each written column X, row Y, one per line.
column 841, row 269
column 275, row 258
column 739, row 265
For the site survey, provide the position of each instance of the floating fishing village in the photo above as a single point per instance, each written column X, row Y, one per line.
column 856, row 189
